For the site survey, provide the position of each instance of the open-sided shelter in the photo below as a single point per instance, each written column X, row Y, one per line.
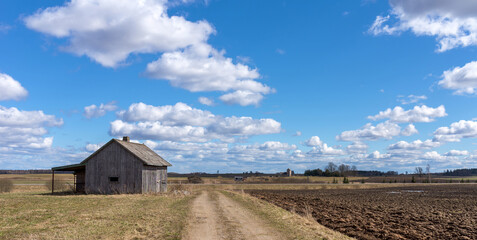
column 120, row 166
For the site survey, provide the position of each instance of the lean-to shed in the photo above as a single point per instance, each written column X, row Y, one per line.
column 120, row 166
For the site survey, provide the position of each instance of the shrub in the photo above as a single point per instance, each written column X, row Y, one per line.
column 335, row 181
column 60, row 186
column 413, row 180
column 362, row 181
column 345, row 180
column 195, row 179
column 6, row 185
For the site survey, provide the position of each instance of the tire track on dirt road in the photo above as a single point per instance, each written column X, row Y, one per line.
column 215, row 216
column 203, row 223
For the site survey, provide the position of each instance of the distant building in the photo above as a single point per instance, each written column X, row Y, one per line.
column 288, row 173
column 120, row 167
column 239, row 178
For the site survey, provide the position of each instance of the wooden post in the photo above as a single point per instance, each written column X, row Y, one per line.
column 74, row 181
column 53, row 182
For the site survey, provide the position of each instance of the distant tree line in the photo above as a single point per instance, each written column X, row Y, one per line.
column 44, row 171
column 333, row 170
column 376, row 173
column 461, row 172
column 343, row 170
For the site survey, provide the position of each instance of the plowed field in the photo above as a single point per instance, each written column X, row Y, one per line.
column 414, row 212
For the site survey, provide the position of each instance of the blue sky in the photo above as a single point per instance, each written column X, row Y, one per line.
column 241, row 85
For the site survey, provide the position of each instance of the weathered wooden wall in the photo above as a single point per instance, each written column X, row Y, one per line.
column 79, row 181
column 154, row 179
column 114, row 161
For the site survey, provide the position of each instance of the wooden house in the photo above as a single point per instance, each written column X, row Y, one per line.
column 120, row 166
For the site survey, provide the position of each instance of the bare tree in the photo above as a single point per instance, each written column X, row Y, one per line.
column 343, row 169
column 354, row 170
column 331, row 167
column 419, row 171
column 428, row 171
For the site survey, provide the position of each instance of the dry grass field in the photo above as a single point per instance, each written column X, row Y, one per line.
column 301, row 179
column 267, row 180
column 31, row 213
column 456, row 179
column 36, row 178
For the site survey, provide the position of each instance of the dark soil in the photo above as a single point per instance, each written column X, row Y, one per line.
column 414, row 212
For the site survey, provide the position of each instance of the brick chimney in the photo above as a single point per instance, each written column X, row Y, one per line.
column 126, row 138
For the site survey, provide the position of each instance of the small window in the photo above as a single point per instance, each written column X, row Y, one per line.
column 113, row 179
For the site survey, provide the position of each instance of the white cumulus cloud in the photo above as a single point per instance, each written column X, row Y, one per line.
column 108, row 31
column 93, row 111
column 297, row 134
column 243, row 98
column 417, row 114
column 452, row 23
column 90, row 147
column 203, row 68
column 433, row 156
column 24, row 131
column 321, row 148
column 368, row 132
column 463, row 80
column 178, row 114
column 415, row 145
column 456, row 131
column 411, row 99
column 275, row 145
column 10, row 89
column 409, row 130
column 457, row 153
column 357, row 148
column 181, row 122
column 313, row 142
column 206, row 101
column 13, row 117
column 325, row 150
column 378, row 155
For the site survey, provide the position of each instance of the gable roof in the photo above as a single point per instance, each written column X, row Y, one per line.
column 144, row 153
column 141, row 151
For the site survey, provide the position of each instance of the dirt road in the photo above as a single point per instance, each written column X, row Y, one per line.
column 215, row 216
